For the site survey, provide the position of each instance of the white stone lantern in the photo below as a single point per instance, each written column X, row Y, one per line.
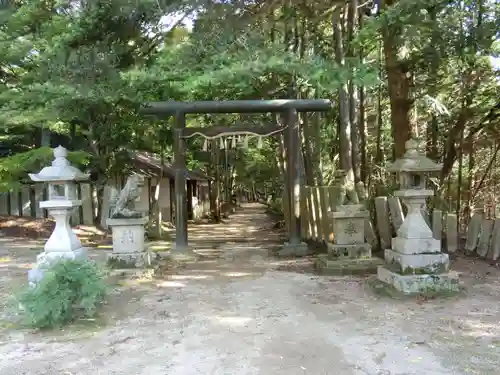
column 61, row 178
column 415, row 263
column 412, row 170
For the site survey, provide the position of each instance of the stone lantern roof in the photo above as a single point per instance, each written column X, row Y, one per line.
column 414, row 161
column 60, row 170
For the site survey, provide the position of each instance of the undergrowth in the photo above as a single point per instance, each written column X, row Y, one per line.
column 69, row 290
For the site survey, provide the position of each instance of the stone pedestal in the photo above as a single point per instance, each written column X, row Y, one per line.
column 62, row 239
column 128, row 243
column 415, row 263
column 63, row 242
column 349, row 254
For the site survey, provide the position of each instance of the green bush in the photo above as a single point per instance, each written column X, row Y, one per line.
column 275, row 206
column 69, row 289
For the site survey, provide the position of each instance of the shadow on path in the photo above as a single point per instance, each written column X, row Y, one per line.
column 250, row 224
column 237, row 248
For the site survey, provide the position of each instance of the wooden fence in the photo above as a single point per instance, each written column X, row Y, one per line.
column 25, row 202
column 482, row 234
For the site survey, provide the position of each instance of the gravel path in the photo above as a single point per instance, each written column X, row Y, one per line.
column 239, row 314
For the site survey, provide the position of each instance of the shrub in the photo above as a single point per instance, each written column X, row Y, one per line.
column 69, row 289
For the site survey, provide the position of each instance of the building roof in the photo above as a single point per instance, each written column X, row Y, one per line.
column 150, row 165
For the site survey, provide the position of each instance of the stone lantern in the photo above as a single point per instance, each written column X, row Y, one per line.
column 412, row 170
column 61, row 178
column 415, row 264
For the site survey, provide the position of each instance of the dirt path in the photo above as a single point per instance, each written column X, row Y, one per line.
column 237, row 313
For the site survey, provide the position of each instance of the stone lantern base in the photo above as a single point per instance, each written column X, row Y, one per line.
column 417, row 265
column 420, row 284
column 128, row 243
column 63, row 244
column 45, row 259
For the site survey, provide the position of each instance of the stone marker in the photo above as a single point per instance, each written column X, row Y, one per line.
column 63, row 243
column 437, row 224
column 26, row 201
column 107, row 197
column 383, row 226
column 370, row 235
column 87, row 209
column 164, row 199
column 494, row 252
column 39, row 197
column 451, row 233
column 14, row 203
column 127, row 223
column 473, row 230
column 415, row 264
column 4, row 204
column 484, row 238
column 396, row 210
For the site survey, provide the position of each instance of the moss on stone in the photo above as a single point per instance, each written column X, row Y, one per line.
column 434, row 269
column 117, row 263
column 328, row 266
column 386, row 290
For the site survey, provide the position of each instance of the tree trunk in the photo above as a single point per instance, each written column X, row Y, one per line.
column 399, row 85
column 432, row 125
column 362, row 125
column 345, row 159
column 353, row 100
column 307, row 151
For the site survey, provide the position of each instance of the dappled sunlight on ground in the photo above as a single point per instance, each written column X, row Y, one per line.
column 7, row 244
column 23, row 266
column 236, row 274
column 189, row 277
column 479, row 329
column 237, row 309
column 232, row 321
column 216, row 273
column 239, row 228
column 299, row 265
column 170, row 284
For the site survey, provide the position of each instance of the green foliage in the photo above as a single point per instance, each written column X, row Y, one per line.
column 70, row 76
column 84, row 71
column 244, row 66
column 275, row 206
column 69, row 290
column 14, row 169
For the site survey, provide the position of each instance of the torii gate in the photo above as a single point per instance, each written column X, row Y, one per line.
column 289, row 110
